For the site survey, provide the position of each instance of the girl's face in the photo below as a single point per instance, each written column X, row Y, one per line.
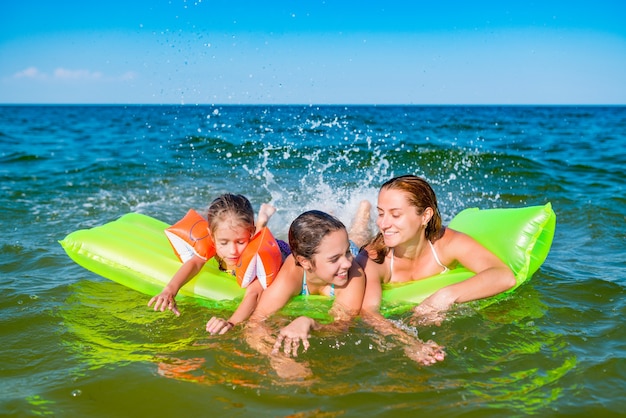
column 333, row 259
column 397, row 220
column 230, row 241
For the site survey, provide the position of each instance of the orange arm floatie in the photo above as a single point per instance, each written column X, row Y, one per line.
column 261, row 259
column 190, row 236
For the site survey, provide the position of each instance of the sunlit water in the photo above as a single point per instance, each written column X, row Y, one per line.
column 75, row 344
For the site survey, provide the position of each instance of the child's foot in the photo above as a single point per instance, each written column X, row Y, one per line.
column 265, row 213
column 360, row 232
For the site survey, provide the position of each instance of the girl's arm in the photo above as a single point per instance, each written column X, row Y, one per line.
column 346, row 306
column 260, row 337
column 291, row 335
column 243, row 311
column 287, row 284
column 257, row 333
column 166, row 299
column 253, row 291
column 349, row 299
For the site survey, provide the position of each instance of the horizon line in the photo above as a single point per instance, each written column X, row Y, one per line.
column 326, row 104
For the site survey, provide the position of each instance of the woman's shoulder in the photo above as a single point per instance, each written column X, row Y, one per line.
column 453, row 236
column 453, row 243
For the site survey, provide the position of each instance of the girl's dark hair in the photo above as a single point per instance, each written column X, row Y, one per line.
column 307, row 231
column 420, row 195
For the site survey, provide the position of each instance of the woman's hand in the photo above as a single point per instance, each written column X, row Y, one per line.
column 425, row 353
column 433, row 309
column 164, row 300
column 294, row 333
column 218, row 326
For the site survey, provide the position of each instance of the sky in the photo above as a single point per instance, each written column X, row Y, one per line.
column 446, row 52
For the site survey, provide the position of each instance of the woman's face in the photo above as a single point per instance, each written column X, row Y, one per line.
column 397, row 220
column 230, row 241
column 333, row 259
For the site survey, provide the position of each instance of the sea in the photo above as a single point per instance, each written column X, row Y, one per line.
column 74, row 344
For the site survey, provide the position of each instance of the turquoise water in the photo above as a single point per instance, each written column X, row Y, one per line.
column 75, row 344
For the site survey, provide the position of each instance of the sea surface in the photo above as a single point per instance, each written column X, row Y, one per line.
column 74, row 344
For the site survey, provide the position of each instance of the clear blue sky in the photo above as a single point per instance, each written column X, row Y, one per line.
column 313, row 52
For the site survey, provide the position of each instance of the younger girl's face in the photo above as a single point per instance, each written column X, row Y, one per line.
column 333, row 259
column 230, row 241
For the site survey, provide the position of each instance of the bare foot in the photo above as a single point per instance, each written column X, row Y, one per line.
column 265, row 213
column 360, row 232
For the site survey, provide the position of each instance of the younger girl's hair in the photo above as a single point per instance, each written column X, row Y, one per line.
column 307, row 231
column 234, row 208
column 420, row 195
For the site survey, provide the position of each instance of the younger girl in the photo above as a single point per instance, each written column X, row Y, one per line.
column 230, row 228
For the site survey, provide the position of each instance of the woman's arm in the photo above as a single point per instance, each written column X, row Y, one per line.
column 374, row 276
column 166, row 299
column 492, row 277
column 425, row 353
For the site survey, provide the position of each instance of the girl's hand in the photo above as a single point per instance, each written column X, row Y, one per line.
column 291, row 335
column 164, row 300
column 218, row 326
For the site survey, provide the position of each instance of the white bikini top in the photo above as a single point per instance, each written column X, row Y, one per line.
column 432, row 248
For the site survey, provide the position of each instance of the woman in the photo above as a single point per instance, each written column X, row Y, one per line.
column 412, row 244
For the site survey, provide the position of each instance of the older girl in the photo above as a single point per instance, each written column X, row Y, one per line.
column 322, row 263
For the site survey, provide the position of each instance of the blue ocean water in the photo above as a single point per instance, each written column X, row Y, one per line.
column 75, row 344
